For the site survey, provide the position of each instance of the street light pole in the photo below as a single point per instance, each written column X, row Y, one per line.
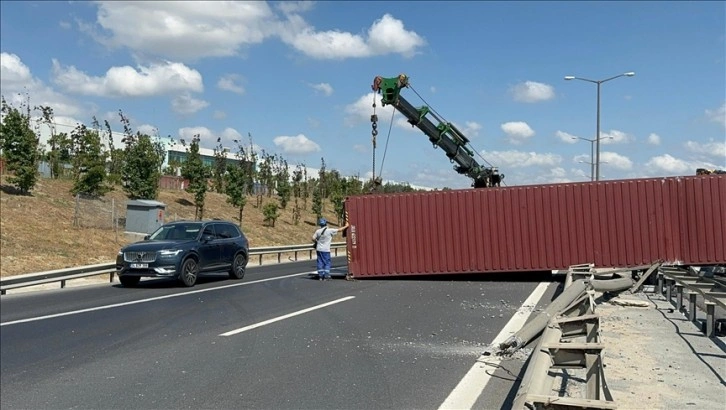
column 597, row 127
column 592, row 153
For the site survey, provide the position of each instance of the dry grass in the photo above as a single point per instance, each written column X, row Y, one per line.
column 37, row 232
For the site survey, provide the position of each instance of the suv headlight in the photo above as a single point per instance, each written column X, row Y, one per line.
column 168, row 253
column 120, row 253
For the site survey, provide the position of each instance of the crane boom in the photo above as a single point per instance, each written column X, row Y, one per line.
column 444, row 135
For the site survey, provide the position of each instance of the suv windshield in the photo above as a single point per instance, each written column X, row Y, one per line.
column 176, row 232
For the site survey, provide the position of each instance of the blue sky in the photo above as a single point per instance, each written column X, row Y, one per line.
column 297, row 76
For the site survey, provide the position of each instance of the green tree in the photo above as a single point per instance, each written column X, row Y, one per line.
column 140, row 173
column 321, row 182
column 20, row 148
column 53, row 155
column 236, row 181
column 198, row 175
column 89, row 163
column 270, row 213
column 282, row 183
column 317, row 207
column 116, row 157
column 265, row 174
column 141, row 161
column 220, row 166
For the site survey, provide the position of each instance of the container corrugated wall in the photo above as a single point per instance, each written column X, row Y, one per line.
column 539, row 227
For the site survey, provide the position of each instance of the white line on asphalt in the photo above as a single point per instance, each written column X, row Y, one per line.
column 134, row 302
column 466, row 393
column 283, row 317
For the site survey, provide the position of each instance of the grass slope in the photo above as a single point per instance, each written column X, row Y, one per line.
column 37, row 232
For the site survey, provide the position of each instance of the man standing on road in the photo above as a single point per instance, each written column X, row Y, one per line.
column 323, row 237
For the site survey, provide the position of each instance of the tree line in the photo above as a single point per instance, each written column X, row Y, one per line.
column 88, row 157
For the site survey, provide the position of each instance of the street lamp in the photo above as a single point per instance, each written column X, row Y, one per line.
column 597, row 132
column 592, row 164
column 592, row 154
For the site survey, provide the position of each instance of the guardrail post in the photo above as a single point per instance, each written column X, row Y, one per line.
column 279, row 255
column 692, row 306
column 110, row 279
column 710, row 319
column 296, row 255
column 260, row 259
column 679, row 296
column 63, row 283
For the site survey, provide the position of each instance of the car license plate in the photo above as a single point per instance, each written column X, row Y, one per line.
column 139, row 265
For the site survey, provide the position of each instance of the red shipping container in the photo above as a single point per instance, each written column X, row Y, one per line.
column 680, row 220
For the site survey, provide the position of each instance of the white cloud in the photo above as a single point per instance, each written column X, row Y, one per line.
column 297, row 145
column 186, row 31
column 669, row 164
column 126, row 81
column 183, row 30
column 614, row 137
column 385, row 36
column 531, row 91
column 185, row 104
column 360, row 111
column 615, row 160
column 148, row 129
column 14, row 72
column 521, row 159
column 16, row 79
column 229, row 82
column 324, row 88
column 565, row 137
column 718, row 115
column 517, row 131
column 712, row 148
column 470, row 129
column 363, row 149
column 219, row 115
column 290, row 7
column 654, row 139
column 208, row 138
column 433, row 89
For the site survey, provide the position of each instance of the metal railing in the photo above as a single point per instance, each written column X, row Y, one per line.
column 64, row 275
column 711, row 289
column 571, row 340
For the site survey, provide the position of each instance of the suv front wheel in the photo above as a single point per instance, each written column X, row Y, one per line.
column 189, row 271
column 238, row 267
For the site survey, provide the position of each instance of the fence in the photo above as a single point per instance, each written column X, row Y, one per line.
column 100, row 213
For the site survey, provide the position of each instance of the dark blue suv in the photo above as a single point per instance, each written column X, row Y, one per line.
column 184, row 250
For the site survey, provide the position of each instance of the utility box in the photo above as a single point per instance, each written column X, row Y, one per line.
column 144, row 215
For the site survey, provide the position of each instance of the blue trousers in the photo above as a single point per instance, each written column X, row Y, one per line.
column 323, row 264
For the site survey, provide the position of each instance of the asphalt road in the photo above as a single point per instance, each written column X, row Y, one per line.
column 276, row 339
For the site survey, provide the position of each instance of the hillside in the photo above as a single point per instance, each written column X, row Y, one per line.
column 37, row 232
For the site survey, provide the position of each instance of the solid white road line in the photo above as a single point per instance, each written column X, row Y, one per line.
column 134, row 302
column 283, row 317
column 466, row 393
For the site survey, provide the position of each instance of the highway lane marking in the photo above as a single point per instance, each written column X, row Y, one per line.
column 287, row 316
column 134, row 302
column 467, row 392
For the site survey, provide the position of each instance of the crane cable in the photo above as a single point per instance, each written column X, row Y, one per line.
column 444, row 119
column 388, row 137
column 374, row 134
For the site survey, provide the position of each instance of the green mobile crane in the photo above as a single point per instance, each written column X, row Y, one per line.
column 444, row 135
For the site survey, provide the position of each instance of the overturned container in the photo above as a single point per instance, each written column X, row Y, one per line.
column 679, row 220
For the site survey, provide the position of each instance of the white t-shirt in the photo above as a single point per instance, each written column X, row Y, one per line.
column 324, row 238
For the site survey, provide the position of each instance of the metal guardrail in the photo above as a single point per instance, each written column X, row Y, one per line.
column 571, row 339
column 712, row 289
column 64, row 275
